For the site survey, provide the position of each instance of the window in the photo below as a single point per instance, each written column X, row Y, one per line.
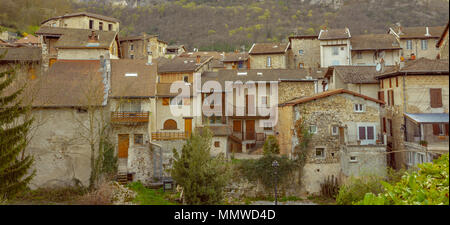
column 217, row 144
column 334, row 130
column 267, row 126
column 359, row 108
column 240, row 64
column 359, row 54
column 269, row 61
column 110, row 27
column 384, row 124
column 186, row 79
column 409, row 44
column 170, row 125
column 100, row 25
column 165, row 101
column 353, row 159
column 264, row 100
column 396, row 81
column 390, row 83
column 313, row 129
column 342, row 48
column 381, row 95
column 366, row 133
column 91, row 24
column 131, row 56
column 132, row 106
column 320, row 153
column 390, row 127
column 382, row 83
column 439, row 129
column 335, row 50
column 435, row 97
column 300, row 52
column 424, row 44
column 138, row 139
column 131, row 47
column 301, row 65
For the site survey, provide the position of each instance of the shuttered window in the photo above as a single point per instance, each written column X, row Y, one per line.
column 436, row 129
column 362, row 133
column 390, row 127
column 389, row 97
column 370, row 133
column 384, row 124
column 435, row 97
column 381, row 95
column 390, row 82
column 446, row 129
column 396, row 81
column 392, row 96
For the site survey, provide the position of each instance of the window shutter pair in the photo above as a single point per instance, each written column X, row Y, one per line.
column 435, row 97
column 436, row 129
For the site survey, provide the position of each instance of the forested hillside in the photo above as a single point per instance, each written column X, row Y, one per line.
column 229, row 24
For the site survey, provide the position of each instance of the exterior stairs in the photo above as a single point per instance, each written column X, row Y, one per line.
column 122, row 171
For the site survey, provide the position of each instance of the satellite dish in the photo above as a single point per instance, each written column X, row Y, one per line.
column 378, row 67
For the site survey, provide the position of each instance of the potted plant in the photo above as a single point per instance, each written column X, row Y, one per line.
column 423, row 143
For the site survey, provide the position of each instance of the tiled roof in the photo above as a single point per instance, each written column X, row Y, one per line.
column 21, row 54
column 235, row 56
column 93, row 15
column 215, row 63
column 215, row 55
column 140, row 37
column 428, row 117
column 419, row 32
column 374, row 42
column 331, row 34
column 420, row 66
column 182, row 64
column 163, row 90
column 29, row 39
column 72, row 83
column 141, row 85
column 326, row 94
column 78, row 38
column 269, row 48
column 358, row 74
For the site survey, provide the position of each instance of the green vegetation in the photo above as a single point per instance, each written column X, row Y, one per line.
column 271, row 146
column 201, row 176
column 46, row 196
column 427, row 186
column 15, row 122
column 147, row 196
column 355, row 189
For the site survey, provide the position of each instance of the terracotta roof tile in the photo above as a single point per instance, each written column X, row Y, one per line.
column 141, row 85
column 419, row 32
column 93, row 15
column 334, row 34
column 326, row 94
column 420, row 66
column 78, row 38
column 358, row 74
column 235, row 56
column 182, row 64
column 374, row 42
column 21, row 54
column 29, row 39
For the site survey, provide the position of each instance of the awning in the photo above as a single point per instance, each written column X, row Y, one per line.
column 428, row 117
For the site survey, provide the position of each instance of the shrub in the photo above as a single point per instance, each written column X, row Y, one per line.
column 355, row 189
column 103, row 195
column 271, row 145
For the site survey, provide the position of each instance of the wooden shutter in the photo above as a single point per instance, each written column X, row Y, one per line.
column 389, row 97
column 392, row 96
column 170, row 125
column 381, row 83
column 396, row 81
column 384, row 124
column 362, row 133
column 390, row 127
column 381, row 95
column 390, row 82
column 166, row 101
column 435, row 97
column 370, row 133
column 446, row 129
column 436, row 129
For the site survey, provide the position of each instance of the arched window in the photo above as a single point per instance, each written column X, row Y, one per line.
column 170, row 125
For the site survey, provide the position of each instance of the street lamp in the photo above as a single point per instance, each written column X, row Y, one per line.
column 275, row 166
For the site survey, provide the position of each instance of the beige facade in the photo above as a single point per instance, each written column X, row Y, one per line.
column 268, row 61
column 335, row 52
column 421, row 48
column 370, row 58
column 82, row 22
column 140, row 48
column 305, row 52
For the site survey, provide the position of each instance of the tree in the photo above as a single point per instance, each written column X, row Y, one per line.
column 271, row 146
column 427, row 186
column 14, row 127
column 202, row 176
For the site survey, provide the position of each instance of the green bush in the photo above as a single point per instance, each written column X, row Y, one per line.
column 355, row 189
column 271, row 145
column 427, row 186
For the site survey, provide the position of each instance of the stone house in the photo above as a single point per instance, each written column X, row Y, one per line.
column 443, row 44
column 140, row 47
column 76, row 44
column 372, row 49
column 335, row 47
column 359, row 79
column 174, row 50
column 248, row 130
column 345, row 138
column 83, row 20
column 29, row 40
column 269, row 55
column 132, row 108
column 305, row 51
column 417, row 88
column 8, row 36
column 417, row 42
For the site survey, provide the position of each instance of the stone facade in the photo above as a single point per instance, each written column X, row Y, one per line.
column 305, row 52
column 289, row 90
column 430, row 52
column 277, row 61
column 140, row 48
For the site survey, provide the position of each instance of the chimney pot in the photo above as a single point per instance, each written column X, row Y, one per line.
column 198, row 59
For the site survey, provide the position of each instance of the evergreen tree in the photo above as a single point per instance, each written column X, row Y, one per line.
column 202, row 176
column 13, row 132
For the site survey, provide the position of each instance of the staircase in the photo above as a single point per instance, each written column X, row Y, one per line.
column 122, row 171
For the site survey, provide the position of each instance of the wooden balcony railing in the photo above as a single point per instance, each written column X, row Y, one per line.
column 162, row 136
column 129, row 117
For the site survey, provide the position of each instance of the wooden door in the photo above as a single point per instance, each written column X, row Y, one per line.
column 250, row 130
column 188, row 126
column 341, row 135
column 124, row 142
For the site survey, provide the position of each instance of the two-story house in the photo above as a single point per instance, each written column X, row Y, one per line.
column 372, row 49
column 345, row 135
column 305, row 51
column 417, row 42
column 417, row 92
column 83, row 20
column 335, row 47
column 269, row 55
column 140, row 47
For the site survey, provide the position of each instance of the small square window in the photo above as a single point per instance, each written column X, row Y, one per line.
column 217, row 144
column 342, row 48
column 359, row 108
column 300, row 52
column 186, row 79
column 320, row 153
column 313, row 129
column 353, row 159
column 138, row 139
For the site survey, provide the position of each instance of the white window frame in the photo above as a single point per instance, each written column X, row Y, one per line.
column 358, row 107
column 269, row 61
column 301, row 52
column 311, row 126
column 333, row 131
column 323, row 153
column 424, row 44
column 409, row 44
column 367, row 141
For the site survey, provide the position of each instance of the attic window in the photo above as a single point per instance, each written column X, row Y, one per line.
column 131, row 74
column 242, row 73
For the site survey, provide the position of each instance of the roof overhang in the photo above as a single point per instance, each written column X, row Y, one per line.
column 427, row 118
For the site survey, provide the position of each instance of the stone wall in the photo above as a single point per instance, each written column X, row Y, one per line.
column 278, row 61
column 360, row 160
column 310, row 57
column 289, row 90
column 430, row 53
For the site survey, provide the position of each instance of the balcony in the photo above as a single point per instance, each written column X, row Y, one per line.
column 130, row 117
column 165, row 136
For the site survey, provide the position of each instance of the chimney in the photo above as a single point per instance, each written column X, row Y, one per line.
column 427, row 32
column 149, row 59
column 198, row 59
column 399, row 25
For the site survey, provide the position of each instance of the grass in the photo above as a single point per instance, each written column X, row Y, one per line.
column 49, row 196
column 147, row 196
column 321, row 200
column 249, row 200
